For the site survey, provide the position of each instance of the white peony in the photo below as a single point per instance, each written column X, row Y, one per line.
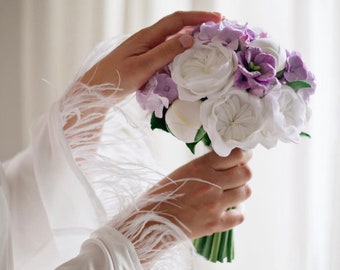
column 232, row 120
column 288, row 116
column 270, row 133
column 183, row 119
column 268, row 46
column 203, row 70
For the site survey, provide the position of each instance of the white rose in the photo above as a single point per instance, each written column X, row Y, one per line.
column 288, row 116
column 268, row 46
column 271, row 133
column 232, row 120
column 183, row 119
column 203, row 70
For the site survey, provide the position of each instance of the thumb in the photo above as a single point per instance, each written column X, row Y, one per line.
column 165, row 52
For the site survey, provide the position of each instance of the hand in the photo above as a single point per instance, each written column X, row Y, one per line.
column 202, row 208
column 133, row 62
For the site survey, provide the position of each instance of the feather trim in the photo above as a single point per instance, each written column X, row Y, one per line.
column 109, row 142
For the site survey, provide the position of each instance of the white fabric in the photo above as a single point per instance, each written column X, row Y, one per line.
column 90, row 175
column 53, row 209
column 101, row 252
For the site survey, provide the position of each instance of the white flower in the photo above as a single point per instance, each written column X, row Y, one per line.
column 271, row 133
column 203, row 70
column 268, row 46
column 183, row 119
column 287, row 118
column 232, row 120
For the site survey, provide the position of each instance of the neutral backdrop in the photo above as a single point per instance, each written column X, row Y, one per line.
column 293, row 217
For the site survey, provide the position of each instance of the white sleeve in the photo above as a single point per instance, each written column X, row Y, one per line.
column 70, row 182
column 106, row 250
column 51, row 209
column 112, row 149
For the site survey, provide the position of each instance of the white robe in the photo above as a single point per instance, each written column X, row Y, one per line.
column 65, row 200
column 48, row 209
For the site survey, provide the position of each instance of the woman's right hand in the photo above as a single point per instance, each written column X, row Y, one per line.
column 132, row 63
column 202, row 205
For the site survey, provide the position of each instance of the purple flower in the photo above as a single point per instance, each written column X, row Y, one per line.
column 230, row 35
column 206, row 32
column 295, row 68
column 166, row 87
column 250, row 34
column 248, row 37
column 256, row 71
column 150, row 101
column 157, row 93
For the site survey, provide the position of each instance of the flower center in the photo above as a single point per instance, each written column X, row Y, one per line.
column 166, row 88
column 253, row 67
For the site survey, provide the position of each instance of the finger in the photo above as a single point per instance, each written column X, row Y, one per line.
column 173, row 23
column 236, row 157
column 164, row 53
column 232, row 197
column 233, row 177
column 230, row 219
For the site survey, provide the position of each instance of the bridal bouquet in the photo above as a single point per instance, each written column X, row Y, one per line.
column 235, row 87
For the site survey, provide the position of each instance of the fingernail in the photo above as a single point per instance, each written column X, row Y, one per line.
column 186, row 41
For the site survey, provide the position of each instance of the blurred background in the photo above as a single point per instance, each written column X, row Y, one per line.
column 293, row 217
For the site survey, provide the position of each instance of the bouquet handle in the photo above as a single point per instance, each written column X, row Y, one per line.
column 216, row 247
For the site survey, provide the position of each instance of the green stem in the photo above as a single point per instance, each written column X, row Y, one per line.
column 230, row 246
column 223, row 247
column 199, row 244
column 207, row 247
column 215, row 246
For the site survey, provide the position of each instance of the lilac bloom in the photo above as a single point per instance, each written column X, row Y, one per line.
column 256, row 71
column 166, row 87
column 295, row 68
column 149, row 100
column 229, row 36
column 250, row 34
column 206, row 32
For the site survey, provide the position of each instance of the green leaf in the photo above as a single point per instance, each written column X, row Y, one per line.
column 280, row 74
column 206, row 140
column 192, row 146
column 198, row 137
column 304, row 134
column 158, row 122
column 200, row 134
column 297, row 85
